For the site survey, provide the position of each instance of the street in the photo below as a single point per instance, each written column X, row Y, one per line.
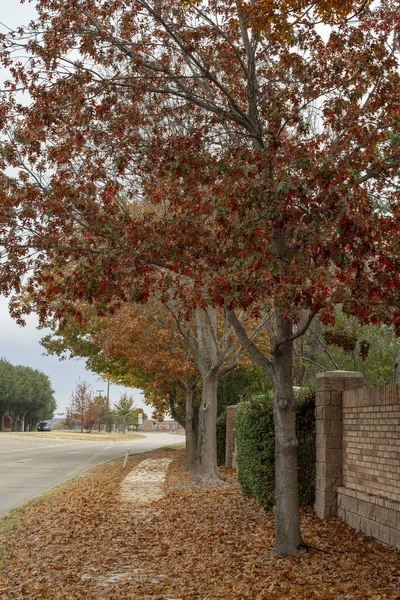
column 30, row 466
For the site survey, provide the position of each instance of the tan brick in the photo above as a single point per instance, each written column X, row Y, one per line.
column 387, row 516
column 336, row 398
column 353, row 520
column 349, row 504
column 329, row 383
column 394, row 537
column 322, row 511
column 328, row 412
column 322, row 426
column 328, row 454
column 330, row 470
column 328, row 499
column 367, row 510
column 384, row 534
column 323, row 398
column 335, row 427
column 323, row 484
column 333, row 441
column 369, row 527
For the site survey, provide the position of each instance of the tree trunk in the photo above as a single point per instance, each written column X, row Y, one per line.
column 15, row 423
column 287, row 521
column 280, row 370
column 23, row 422
column 206, row 470
column 191, row 428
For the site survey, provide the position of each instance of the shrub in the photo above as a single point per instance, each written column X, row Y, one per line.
column 221, row 439
column 256, row 449
column 305, row 426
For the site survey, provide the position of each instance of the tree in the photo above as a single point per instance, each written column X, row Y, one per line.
column 347, row 346
column 82, row 405
column 125, row 411
column 137, row 346
column 241, row 383
column 279, row 195
column 26, row 395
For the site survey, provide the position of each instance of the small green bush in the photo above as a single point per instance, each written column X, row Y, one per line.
column 221, row 439
column 305, row 426
column 256, row 449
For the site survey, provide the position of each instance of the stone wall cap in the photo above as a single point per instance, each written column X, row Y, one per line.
column 340, row 374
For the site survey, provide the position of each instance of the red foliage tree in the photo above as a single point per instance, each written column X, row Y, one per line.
column 82, row 405
column 232, row 152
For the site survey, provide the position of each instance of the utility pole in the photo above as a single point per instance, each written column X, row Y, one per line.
column 100, row 396
column 107, row 403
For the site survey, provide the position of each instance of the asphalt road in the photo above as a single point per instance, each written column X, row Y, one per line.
column 30, row 466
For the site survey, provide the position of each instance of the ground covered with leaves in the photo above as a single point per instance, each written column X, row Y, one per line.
column 84, row 541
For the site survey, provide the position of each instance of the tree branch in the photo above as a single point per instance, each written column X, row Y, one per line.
column 248, row 345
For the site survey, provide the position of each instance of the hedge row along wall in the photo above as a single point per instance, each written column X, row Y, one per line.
column 255, row 448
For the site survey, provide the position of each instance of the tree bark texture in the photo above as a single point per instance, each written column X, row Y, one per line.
column 206, row 470
column 280, row 370
column 287, row 521
column 191, row 429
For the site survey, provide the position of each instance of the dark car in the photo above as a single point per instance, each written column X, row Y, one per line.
column 44, row 427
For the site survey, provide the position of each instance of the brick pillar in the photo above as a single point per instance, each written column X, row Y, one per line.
column 230, row 435
column 328, row 415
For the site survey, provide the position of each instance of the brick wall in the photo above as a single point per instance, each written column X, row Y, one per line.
column 371, row 441
column 358, row 454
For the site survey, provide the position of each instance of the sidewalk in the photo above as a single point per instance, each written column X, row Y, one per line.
column 94, row 540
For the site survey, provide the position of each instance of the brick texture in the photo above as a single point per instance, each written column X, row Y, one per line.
column 358, row 454
column 374, row 516
column 371, row 441
column 329, row 436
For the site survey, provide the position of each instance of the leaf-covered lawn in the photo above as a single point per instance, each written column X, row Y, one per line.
column 82, row 542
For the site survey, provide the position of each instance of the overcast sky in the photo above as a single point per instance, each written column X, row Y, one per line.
column 20, row 345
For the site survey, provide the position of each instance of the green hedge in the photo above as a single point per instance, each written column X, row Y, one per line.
column 256, row 449
column 221, row 439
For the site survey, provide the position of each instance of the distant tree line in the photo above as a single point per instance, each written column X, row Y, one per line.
column 88, row 411
column 26, row 396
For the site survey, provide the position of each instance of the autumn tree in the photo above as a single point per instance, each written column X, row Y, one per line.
column 138, row 345
column 146, row 340
column 234, row 154
column 82, row 405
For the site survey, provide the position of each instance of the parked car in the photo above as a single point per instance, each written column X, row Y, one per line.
column 44, row 427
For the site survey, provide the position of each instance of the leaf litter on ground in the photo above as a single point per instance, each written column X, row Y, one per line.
column 85, row 541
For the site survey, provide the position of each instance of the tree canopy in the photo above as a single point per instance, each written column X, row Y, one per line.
column 25, row 394
column 241, row 155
